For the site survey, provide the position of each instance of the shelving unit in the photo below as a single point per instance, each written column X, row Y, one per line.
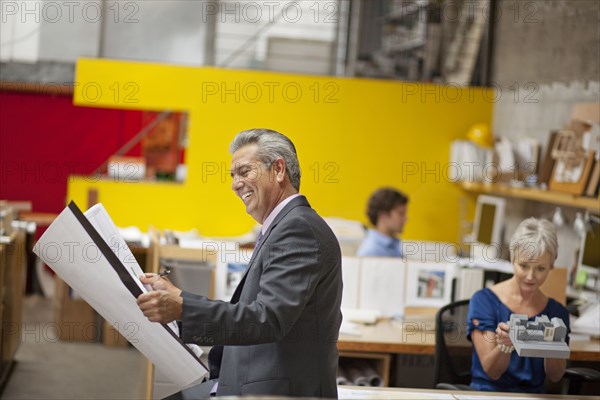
column 201, row 281
column 544, row 196
column 12, row 284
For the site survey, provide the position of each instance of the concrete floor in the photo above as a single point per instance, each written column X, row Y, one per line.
column 47, row 368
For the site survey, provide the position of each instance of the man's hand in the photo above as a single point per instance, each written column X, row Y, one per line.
column 164, row 304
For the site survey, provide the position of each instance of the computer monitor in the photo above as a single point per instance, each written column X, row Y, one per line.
column 488, row 226
column 589, row 256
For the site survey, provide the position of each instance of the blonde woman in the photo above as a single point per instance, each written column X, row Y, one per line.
column 496, row 367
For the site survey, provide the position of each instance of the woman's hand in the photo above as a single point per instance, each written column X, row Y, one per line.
column 493, row 351
column 503, row 341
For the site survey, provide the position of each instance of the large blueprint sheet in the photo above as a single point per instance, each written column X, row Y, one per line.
column 87, row 252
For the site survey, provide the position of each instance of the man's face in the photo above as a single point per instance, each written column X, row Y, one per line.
column 254, row 182
column 395, row 219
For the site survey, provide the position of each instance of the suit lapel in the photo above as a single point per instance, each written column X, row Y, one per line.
column 298, row 201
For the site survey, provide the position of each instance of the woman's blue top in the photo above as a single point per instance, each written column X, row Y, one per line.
column 524, row 374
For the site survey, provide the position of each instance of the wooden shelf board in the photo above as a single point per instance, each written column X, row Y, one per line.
column 565, row 199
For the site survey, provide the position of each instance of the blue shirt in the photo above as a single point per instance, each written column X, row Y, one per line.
column 524, row 374
column 376, row 244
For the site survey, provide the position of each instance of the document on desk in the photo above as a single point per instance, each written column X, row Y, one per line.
column 352, row 393
column 351, row 278
column 89, row 255
column 381, row 283
column 507, row 396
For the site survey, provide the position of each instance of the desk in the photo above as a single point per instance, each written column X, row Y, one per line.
column 41, row 219
column 357, row 392
column 389, row 336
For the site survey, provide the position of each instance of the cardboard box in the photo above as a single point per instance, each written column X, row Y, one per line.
column 586, row 112
column 75, row 319
column 6, row 218
column 111, row 337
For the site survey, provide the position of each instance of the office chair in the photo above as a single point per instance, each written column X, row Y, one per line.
column 453, row 351
column 575, row 379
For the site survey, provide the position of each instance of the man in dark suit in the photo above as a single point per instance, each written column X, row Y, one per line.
column 280, row 329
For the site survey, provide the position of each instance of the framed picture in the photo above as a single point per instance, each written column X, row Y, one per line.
column 428, row 284
column 592, row 187
column 571, row 176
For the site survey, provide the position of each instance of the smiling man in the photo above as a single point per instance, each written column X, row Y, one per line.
column 278, row 333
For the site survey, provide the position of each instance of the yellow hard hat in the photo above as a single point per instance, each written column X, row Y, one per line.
column 481, row 135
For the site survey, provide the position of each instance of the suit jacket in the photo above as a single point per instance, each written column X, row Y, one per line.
column 280, row 328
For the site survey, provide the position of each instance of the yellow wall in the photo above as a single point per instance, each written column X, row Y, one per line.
column 359, row 134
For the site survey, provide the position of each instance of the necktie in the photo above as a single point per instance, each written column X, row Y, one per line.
column 258, row 239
